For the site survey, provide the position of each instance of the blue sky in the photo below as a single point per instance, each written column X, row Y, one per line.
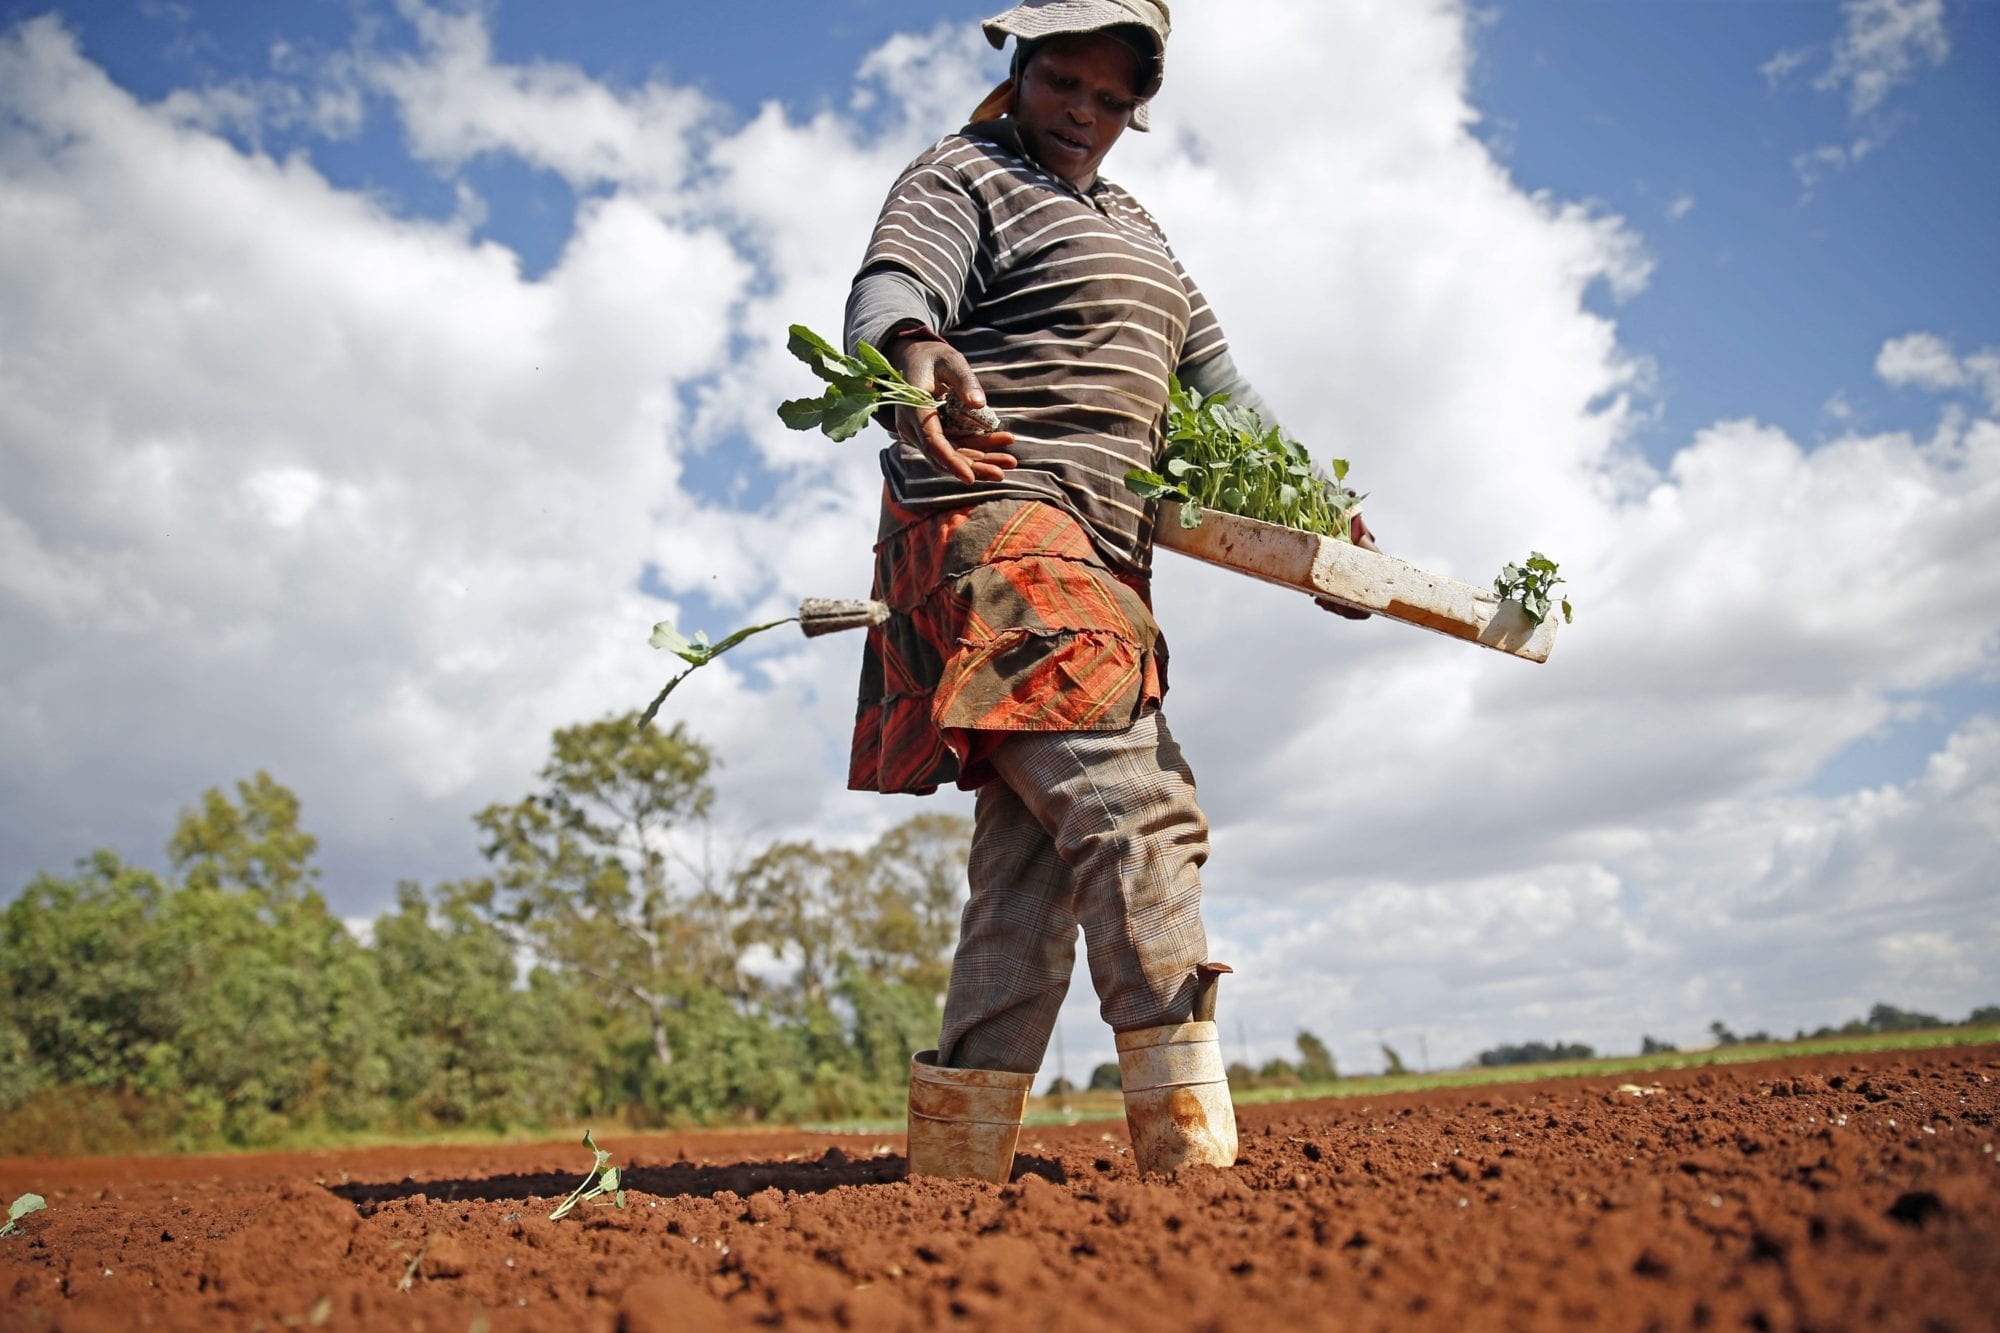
column 378, row 367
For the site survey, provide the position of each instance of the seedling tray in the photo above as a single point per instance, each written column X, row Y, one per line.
column 1367, row 580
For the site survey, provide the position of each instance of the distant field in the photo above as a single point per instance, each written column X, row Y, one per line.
column 1085, row 1106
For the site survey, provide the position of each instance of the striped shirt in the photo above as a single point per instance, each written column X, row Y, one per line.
column 1072, row 310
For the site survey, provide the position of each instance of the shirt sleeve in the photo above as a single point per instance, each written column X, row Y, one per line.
column 882, row 298
column 929, row 227
column 1218, row 374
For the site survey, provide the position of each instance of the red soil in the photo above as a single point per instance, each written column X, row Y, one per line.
column 1833, row 1192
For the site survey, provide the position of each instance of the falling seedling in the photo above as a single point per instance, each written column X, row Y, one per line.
column 858, row 386
column 1532, row 583
column 817, row 616
column 20, row 1208
column 1221, row 456
column 602, row 1180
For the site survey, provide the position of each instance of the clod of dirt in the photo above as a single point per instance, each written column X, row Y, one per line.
column 446, row 1257
column 670, row 1303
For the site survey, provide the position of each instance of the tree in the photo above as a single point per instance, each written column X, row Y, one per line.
column 911, row 904
column 256, row 846
column 1315, row 1060
column 1279, row 1071
column 1984, row 1016
column 584, row 870
column 1059, row 1087
column 1392, row 1063
column 83, row 976
column 466, row 1044
column 1536, row 1053
column 1106, row 1077
column 230, row 1005
column 803, row 903
column 1650, row 1045
column 1888, row 1018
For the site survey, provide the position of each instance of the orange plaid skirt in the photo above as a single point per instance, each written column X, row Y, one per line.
column 1004, row 619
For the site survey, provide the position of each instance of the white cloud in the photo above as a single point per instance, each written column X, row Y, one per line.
column 1926, row 361
column 456, row 104
column 1882, row 45
column 1922, row 359
column 1680, row 206
column 292, row 482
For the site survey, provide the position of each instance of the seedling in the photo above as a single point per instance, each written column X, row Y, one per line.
column 602, row 1180
column 20, row 1208
column 857, row 386
column 696, row 652
column 1221, row 456
column 1532, row 583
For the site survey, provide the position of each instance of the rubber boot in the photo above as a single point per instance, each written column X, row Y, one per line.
column 1177, row 1103
column 964, row 1123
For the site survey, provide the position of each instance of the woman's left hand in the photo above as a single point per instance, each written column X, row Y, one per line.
column 935, row 366
column 1363, row 537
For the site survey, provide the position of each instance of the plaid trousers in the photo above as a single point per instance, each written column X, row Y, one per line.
column 1097, row 829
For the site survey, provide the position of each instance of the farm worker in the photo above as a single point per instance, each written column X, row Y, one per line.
column 1022, row 659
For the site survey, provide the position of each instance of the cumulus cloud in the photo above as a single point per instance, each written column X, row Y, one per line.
column 291, row 480
column 1926, row 361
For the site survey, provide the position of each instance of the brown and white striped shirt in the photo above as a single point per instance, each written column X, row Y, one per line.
column 1069, row 306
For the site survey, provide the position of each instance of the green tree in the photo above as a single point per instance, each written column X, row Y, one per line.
column 282, row 1020
column 468, row 1045
column 1650, row 1045
column 1106, row 1077
column 82, row 974
column 1392, row 1062
column 1888, row 1018
column 255, row 845
column 232, row 1005
column 915, row 891
column 591, row 872
column 1280, row 1072
column 804, row 904
column 1315, row 1059
column 1536, row 1053
column 1985, row 1015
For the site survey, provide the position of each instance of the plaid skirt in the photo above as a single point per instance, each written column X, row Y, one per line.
column 1004, row 618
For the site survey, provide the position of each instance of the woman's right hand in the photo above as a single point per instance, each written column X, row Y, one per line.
column 935, row 366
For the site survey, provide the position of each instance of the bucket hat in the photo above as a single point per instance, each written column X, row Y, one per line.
column 1037, row 20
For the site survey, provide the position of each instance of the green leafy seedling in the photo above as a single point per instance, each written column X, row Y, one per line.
column 1532, row 583
column 1220, row 456
column 858, row 386
column 696, row 652
column 20, row 1208
column 602, row 1180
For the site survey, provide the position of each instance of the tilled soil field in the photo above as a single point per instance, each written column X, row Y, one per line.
column 1835, row 1192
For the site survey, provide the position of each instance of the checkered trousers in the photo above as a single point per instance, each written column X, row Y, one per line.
column 1081, row 828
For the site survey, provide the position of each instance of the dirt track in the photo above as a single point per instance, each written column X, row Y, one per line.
column 1836, row 1192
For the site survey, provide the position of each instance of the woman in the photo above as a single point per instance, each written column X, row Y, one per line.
column 1023, row 659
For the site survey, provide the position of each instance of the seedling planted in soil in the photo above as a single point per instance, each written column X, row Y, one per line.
column 20, row 1208
column 603, row 1179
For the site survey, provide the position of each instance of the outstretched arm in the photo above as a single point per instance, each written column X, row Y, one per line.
column 889, row 308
